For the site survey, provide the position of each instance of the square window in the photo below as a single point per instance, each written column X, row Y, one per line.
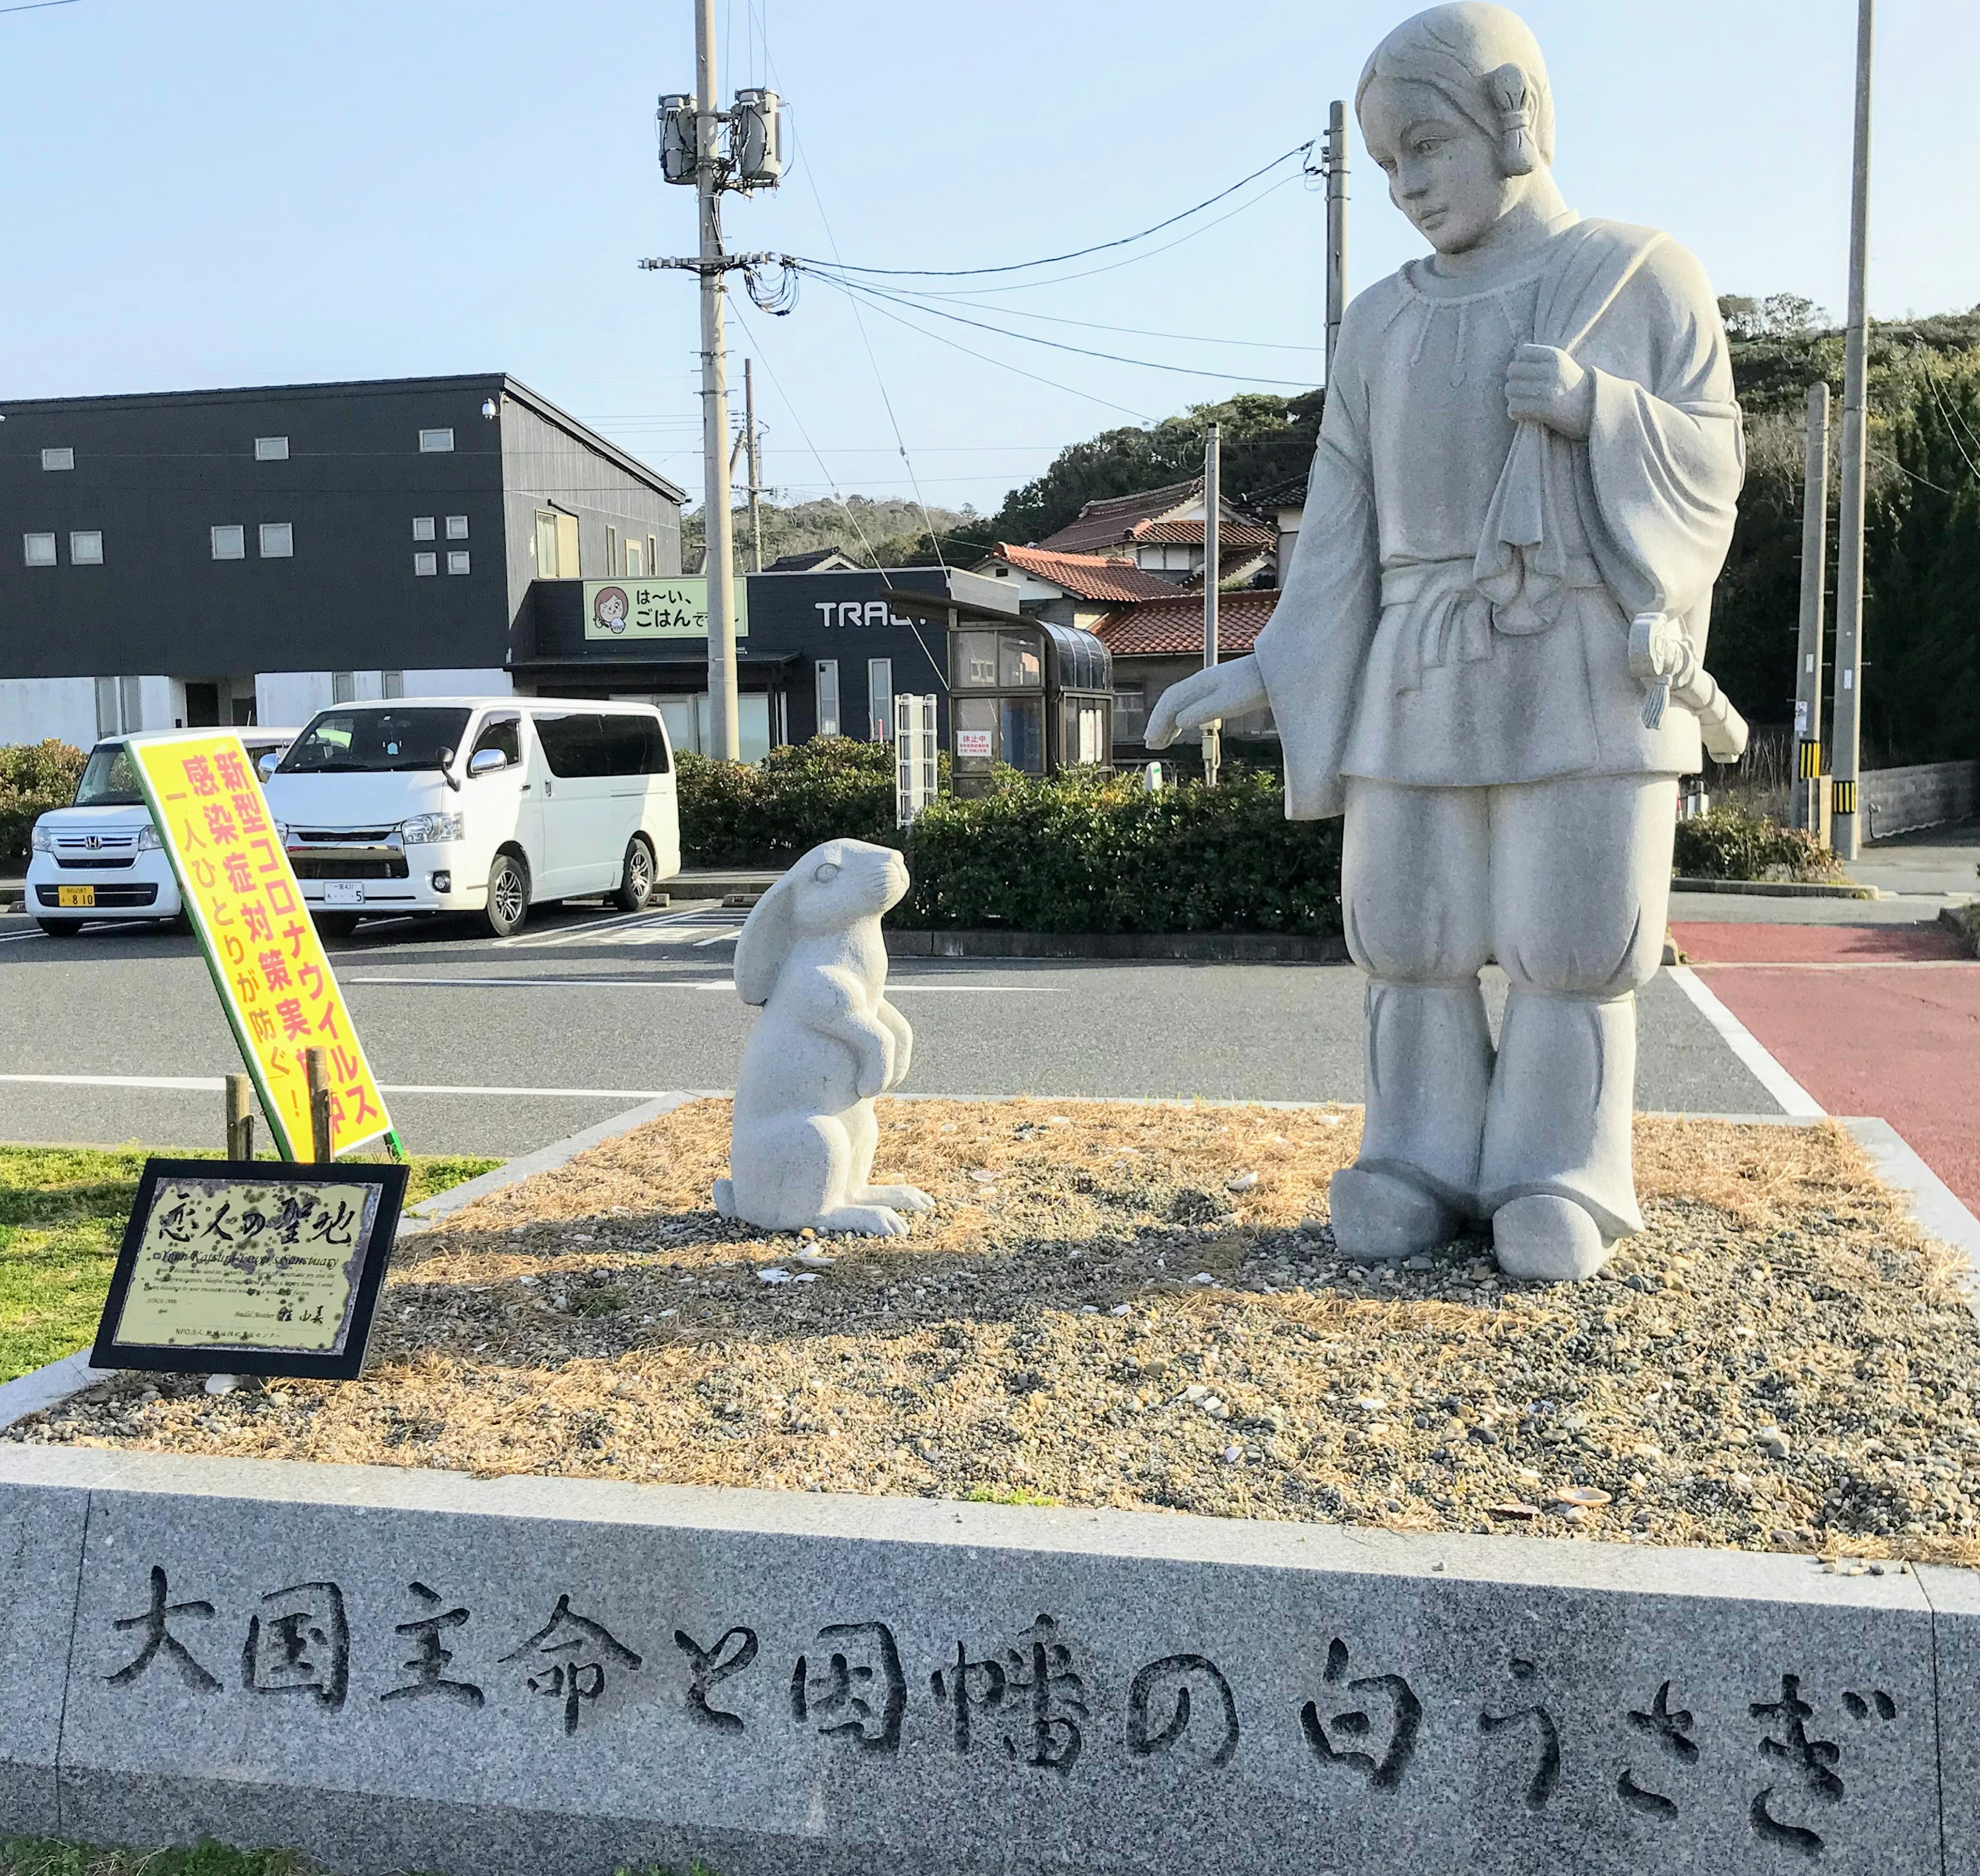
column 457, row 561
column 278, row 540
column 435, row 441
column 391, row 683
column 456, row 527
column 271, row 449
column 425, row 564
column 86, row 547
column 58, row 459
column 230, row 543
column 38, row 549
column 343, row 687
column 422, row 527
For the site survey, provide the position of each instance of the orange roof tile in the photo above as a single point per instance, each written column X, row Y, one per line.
column 1190, row 534
column 1088, row 576
column 1174, row 628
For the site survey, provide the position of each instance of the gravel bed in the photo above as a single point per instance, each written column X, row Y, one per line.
column 1141, row 1306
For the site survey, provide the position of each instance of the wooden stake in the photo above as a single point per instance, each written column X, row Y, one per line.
column 317, row 1064
column 240, row 1118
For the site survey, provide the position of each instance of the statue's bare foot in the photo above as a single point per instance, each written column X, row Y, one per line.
column 1548, row 1239
column 1376, row 1215
column 901, row 1198
column 871, row 1221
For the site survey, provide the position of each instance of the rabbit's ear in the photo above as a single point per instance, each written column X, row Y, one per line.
column 766, row 941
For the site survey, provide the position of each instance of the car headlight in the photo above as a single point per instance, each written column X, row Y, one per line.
column 147, row 838
column 282, row 832
column 44, row 841
column 424, row 829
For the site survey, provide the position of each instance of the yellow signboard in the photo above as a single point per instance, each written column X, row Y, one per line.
column 678, row 608
column 268, row 963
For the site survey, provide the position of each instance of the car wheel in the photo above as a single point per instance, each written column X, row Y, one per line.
column 334, row 924
column 508, row 895
column 635, row 877
column 60, row 928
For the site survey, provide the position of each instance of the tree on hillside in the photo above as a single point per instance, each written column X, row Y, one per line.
column 1922, row 505
column 886, row 532
column 1262, row 440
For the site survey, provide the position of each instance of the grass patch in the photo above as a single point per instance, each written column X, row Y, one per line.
column 62, row 1210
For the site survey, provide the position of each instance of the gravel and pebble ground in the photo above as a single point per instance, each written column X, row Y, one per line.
column 1141, row 1306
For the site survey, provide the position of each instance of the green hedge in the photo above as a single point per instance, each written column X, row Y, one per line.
column 1081, row 853
column 34, row 778
column 1074, row 853
column 1731, row 843
column 733, row 815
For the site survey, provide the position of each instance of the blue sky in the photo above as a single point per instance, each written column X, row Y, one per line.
column 210, row 192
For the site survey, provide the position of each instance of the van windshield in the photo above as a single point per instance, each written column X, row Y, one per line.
column 352, row 741
column 110, row 780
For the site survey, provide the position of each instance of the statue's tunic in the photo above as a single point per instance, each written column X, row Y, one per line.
column 1457, row 611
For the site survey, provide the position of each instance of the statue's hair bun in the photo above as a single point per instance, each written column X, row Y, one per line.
column 1512, row 97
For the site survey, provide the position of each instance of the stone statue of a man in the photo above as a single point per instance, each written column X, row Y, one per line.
column 1529, row 459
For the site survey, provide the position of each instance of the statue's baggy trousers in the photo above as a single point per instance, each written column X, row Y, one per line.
column 1565, row 884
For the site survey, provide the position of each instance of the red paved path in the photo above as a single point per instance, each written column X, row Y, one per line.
column 1904, row 1042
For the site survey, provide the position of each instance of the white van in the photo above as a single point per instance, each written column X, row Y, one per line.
column 476, row 804
column 99, row 859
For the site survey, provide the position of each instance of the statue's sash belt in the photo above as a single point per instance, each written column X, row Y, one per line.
column 1448, row 618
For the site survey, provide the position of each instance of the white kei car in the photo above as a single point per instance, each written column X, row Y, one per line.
column 99, row 859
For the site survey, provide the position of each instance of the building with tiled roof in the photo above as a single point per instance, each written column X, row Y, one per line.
column 1160, row 531
column 1039, row 577
column 1157, row 643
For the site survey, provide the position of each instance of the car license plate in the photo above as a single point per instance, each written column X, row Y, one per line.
column 344, row 892
column 76, row 895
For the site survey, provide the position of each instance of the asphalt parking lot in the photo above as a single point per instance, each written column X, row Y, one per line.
column 501, row 1046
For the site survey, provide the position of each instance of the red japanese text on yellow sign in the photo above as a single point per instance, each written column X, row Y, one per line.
column 267, row 959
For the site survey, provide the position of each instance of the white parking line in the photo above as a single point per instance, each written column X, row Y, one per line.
column 21, row 937
column 896, row 989
column 1795, row 1100
column 212, row 1084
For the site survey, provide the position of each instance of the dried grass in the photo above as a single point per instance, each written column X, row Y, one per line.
column 1040, row 1336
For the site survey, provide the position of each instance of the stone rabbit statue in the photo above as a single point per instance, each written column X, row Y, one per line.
column 811, row 956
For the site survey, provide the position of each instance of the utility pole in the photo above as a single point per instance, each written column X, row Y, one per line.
column 1213, row 500
column 1814, row 584
column 756, row 487
column 1846, row 755
column 718, row 562
column 1335, row 164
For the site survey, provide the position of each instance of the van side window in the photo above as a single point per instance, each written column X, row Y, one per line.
column 573, row 743
column 501, row 733
column 634, row 746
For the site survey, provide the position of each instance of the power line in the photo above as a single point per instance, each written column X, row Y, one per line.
column 1002, row 364
column 1112, row 267
column 893, row 422
column 36, row 6
column 1078, row 254
column 1143, row 332
column 853, row 287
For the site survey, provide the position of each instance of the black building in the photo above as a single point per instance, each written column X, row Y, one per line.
column 818, row 653
column 252, row 556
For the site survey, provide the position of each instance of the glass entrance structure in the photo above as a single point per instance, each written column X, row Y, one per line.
column 1027, row 695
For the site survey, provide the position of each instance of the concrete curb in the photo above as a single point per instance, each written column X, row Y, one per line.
column 1782, row 889
column 1964, row 923
column 48, row 1386
column 1182, row 947
column 429, row 1211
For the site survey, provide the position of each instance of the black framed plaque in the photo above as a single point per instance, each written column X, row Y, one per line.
column 250, row 1267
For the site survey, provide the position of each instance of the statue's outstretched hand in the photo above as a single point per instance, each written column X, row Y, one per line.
column 1231, row 690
